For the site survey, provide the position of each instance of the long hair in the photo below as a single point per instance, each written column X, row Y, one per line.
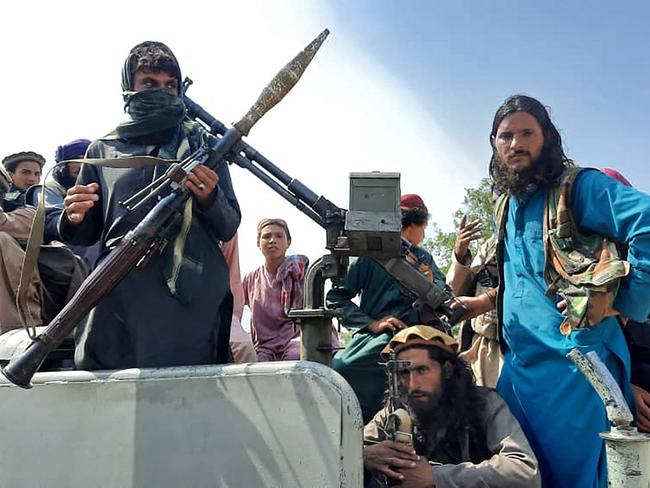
column 552, row 160
column 460, row 405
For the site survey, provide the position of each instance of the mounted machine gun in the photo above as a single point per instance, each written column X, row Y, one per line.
column 370, row 228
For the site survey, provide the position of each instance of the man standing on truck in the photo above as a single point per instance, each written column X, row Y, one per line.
column 177, row 309
column 557, row 229
column 465, row 434
column 473, row 275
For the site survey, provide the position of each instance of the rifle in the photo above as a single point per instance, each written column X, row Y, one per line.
column 398, row 425
column 149, row 235
column 430, row 299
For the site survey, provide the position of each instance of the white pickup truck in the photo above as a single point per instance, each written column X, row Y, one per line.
column 283, row 424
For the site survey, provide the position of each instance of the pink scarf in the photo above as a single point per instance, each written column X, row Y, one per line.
column 292, row 275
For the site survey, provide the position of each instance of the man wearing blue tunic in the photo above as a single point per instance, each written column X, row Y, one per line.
column 558, row 409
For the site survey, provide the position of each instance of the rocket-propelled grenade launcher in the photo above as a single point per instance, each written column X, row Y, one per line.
column 150, row 233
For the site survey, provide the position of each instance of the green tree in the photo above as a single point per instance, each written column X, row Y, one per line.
column 477, row 204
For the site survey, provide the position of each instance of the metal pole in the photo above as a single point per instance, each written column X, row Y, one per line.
column 628, row 451
column 315, row 319
column 628, row 458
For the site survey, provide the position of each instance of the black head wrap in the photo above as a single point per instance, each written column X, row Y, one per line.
column 161, row 59
column 154, row 114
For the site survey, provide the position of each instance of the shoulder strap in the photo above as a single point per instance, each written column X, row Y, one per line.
column 558, row 222
column 123, row 162
column 30, row 259
column 558, row 204
column 501, row 215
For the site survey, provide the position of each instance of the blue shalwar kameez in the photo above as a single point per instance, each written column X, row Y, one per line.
column 558, row 409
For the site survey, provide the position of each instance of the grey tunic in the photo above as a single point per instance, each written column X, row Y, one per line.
column 140, row 323
column 511, row 462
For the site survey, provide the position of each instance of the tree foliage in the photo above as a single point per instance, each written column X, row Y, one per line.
column 477, row 204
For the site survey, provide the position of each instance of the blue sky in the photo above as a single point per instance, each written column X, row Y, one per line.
column 588, row 61
column 408, row 86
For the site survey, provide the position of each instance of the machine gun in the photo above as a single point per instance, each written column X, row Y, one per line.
column 370, row 228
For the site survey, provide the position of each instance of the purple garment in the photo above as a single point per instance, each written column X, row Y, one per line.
column 274, row 334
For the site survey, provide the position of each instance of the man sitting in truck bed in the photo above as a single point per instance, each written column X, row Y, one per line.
column 464, row 434
column 383, row 309
column 15, row 225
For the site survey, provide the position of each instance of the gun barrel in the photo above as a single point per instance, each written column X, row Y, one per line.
column 278, row 188
column 132, row 248
column 247, row 157
column 195, row 111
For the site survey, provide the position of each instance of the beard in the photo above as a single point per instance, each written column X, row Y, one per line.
column 425, row 405
column 67, row 179
column 517, row 181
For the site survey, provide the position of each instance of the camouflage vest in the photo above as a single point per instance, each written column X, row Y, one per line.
column 584, row 269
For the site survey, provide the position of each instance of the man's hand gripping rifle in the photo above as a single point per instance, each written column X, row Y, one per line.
column 153, row 229
column 397, row 424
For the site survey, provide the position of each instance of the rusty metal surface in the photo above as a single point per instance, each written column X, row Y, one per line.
column 283, row 424
column 628, row 458
column 281, row 84
column 605, row 385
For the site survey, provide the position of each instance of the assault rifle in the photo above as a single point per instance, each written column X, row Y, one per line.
column 399, row 422
column 398, row 425
column 150, row 234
